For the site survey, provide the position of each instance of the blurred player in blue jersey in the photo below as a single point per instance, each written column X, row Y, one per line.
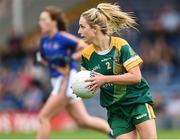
column 58, row 50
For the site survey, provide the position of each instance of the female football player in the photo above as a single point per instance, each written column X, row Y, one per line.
column 124, row 92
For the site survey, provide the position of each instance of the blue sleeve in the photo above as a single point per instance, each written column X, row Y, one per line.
column 70, row 44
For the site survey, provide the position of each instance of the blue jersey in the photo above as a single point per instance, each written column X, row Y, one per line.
column 55, row 48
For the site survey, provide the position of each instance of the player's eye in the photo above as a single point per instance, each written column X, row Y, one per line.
column 82, row 26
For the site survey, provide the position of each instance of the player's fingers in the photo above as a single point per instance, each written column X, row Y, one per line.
column 90, row 84
column 96, row 73
column 94, row 87
column 89, row 80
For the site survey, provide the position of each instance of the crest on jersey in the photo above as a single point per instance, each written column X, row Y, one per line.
column 56, row 45
column 117, row 57
column 45, row 45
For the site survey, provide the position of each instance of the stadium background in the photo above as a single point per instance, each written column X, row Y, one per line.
column 24, row 86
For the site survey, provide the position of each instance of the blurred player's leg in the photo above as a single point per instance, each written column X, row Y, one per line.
column 78, row 112
column 53, row 106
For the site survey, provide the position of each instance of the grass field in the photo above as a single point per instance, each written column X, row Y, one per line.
column 85, row 134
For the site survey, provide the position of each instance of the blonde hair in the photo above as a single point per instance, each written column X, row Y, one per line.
column 109, row 17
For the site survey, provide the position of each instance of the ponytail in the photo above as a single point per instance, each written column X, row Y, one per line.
column 115, row 19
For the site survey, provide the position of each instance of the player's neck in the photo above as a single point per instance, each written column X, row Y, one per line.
column 102, row 43
column 53, row 32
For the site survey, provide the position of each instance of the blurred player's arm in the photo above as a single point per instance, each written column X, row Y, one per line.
column 40, row 60
column 81, row 45
column 63, row 70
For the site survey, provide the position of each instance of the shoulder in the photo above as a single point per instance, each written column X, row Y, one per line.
column 78, row 40
column 118, row 42
column 65, row 36
column 66, row 39
column 58, row 36
column 87, row 52
column 70, row 36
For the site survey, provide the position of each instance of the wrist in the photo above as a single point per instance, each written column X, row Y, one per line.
column 106, row 79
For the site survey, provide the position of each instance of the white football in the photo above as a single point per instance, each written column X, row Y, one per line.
column 79, row 86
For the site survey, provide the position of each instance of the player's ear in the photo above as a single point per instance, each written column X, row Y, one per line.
column 96, row 28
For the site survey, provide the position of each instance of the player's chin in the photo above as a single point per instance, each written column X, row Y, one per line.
column 86, row 40
column 43, row 31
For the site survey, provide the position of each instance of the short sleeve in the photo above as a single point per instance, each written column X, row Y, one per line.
column 129, row 58
column 84, row 62
column 70, row 44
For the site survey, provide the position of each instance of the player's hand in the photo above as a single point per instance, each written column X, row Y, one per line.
column 40, row 60
column 96, row 82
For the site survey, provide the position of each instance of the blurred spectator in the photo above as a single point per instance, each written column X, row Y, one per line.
column 163, row 56
column 33, row 97
column 4, row 5
column 158, row 59
column 15, row 44
column 170, row 19
column 173, row 108
column 21, row 89
column 173, row 111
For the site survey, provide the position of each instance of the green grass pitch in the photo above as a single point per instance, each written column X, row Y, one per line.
column 84, row 134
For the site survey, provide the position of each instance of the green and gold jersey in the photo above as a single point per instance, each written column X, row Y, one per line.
column 120, row 58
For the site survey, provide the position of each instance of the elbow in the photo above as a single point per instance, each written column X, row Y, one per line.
column 135, row 75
